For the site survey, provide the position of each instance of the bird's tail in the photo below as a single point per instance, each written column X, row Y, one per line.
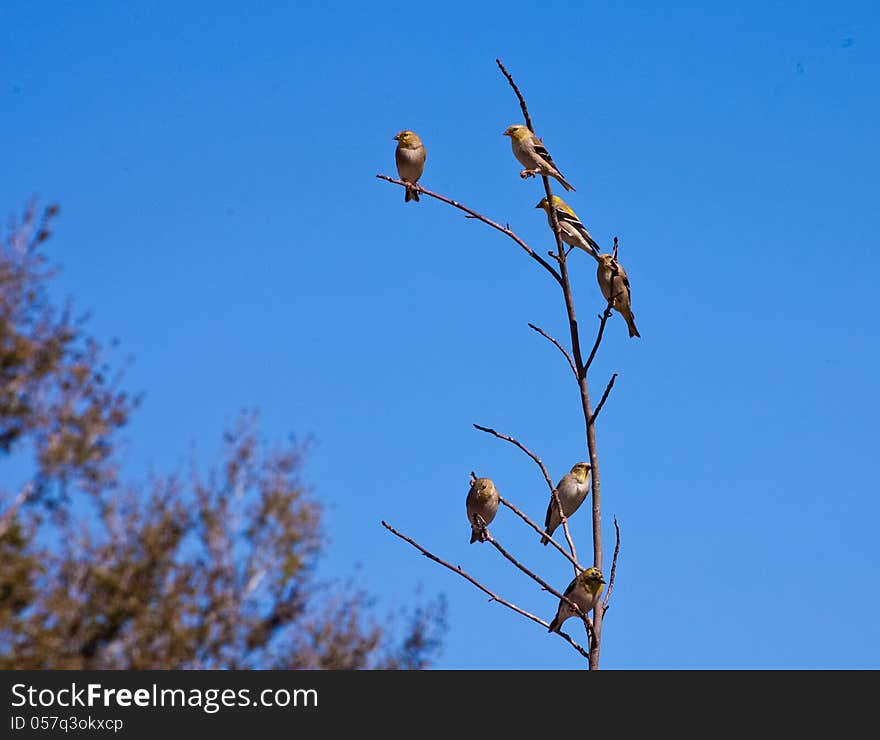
column 631, row 325
column 554, row 625
column 411, row 194
column 566, row 185
column 475, row 536
column 544, row 540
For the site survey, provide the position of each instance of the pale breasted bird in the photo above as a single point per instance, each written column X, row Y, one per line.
column 532, row 154
column 584, row 591
column 410, row 158
column 615, row 287
column 482, row 501
column 572, row 488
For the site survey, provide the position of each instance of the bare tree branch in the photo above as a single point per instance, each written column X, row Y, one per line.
column 484, row 589
column 558, row 346
column 605, row 605
column 522, row 101
column 579, row 568
column 489, row 222
column 537, row 579
column 604, row 319
column 604, row 398
column 553, row 492
column 582, row 381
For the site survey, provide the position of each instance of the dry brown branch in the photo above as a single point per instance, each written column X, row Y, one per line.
column 582, row 380
column 605, row 605
column 484, row 589
column 522, row 102
column 558, row 346
column 543, row 533
column 604, row 320
column 553, row 492
column 604, row 398
column 473, row 214
column 537, row 579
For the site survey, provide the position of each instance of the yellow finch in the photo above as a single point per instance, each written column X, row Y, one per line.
column 482, row 501
column 532, row 155
column 572, row 231
column 584, row 591
column 410, row 158
column 615, row 287
column 572, row 489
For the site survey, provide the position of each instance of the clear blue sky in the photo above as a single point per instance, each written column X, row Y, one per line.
column 215, row 166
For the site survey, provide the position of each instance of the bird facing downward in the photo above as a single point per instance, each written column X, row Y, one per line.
column 532, row 154
column 482, row 501
column 410, row 158
column 573, row 489
column 615, row 287
column 584, row 591
column 571, row 230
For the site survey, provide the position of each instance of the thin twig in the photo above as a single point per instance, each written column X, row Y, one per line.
column 605, row 316
column 537, row 579
column 489, row 222
column 522, row 101
column 543, row 533
column 603, row 399
column 558, row 346
column 583, row 387
column 553, row 492
column 484, row 589
column 605, row 605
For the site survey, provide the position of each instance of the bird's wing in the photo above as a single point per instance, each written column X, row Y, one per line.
column 542, row 152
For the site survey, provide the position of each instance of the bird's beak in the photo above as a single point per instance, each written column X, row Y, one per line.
column 395, row 138
column 538, row 206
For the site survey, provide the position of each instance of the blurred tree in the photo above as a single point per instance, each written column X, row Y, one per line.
column 181, row 572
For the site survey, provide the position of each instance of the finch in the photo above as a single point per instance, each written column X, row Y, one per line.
column 532, row 154
column 572, row 231
column 482, row 500
column 410, row 158
column 584, row 591
column 615, row 287
column 572, row 489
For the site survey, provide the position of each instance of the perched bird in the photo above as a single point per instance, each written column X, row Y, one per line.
column 572, row 489
column 584, row 591
column 482, row 500
column 530, row 152
column 615, row 287
column 572, row 231
column 410, row 158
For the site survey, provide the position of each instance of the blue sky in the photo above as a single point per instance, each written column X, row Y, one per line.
column 215, row 167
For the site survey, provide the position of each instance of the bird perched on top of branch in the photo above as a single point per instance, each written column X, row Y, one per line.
column 482, row 501
column 584, row 591
column 410, row 158
column 615, row 287
column 572, row 489
column 572, row 231
column 532, row 154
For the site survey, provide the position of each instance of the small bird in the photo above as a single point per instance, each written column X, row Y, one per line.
column 482, row 500
column 584, row 591
column 532, row 154
column 572, row 489
column 615, row 287
column 572, row 231
column 410, row 158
